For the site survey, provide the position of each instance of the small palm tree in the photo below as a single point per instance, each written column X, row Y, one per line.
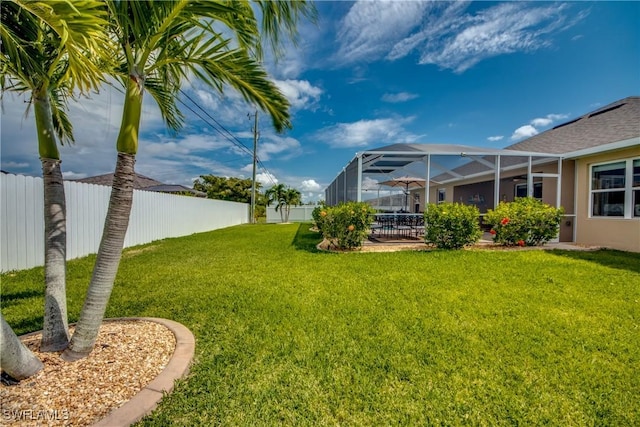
column 160, row 44
column 48, row 50
column 283, row 197
column 276, row 194
column 292, row 197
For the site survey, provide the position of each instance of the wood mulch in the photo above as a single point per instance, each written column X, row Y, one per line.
column 127, row 356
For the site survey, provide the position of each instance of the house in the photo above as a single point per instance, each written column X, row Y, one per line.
column 143, row 183
column 590, row 166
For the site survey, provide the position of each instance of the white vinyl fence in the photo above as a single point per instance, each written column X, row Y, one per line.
column 153, row 216
column 298, row 214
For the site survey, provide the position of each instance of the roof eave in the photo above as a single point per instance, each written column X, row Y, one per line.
column 618, row 145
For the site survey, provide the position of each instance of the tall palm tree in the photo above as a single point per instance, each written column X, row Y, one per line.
column 48, row 51
column 161, row 43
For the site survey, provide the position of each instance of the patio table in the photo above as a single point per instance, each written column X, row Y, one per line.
column 398, row 225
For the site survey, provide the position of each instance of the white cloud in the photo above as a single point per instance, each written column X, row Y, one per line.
column 15, row 165
column 73, row 175
column 526, row 131
column 369, row 183
column 285, row 147
column 533, row 128
column 502, row 29
column 367, row 132
column 399, row 97
column 310, row 185
column 267, row 179
column 444, row 34
column 541, row 122
column 370, row 29
column 301, row 94
column 495, row 138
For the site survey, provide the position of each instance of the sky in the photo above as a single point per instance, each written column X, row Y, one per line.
column 366, row 75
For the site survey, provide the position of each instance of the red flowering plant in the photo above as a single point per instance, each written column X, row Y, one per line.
column 524, row 222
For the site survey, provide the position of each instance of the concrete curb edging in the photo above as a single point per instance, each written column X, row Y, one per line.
column 146, row 400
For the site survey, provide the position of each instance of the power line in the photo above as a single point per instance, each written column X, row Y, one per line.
column 229, row 134
column 226, row 134
column 233, row 141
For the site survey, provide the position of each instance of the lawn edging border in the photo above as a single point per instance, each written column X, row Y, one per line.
column 146, row 400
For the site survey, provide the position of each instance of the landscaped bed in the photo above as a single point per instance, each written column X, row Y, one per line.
column 288, row 334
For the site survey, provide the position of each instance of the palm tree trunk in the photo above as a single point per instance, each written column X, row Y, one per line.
column 115, row 227
column 107, row 262
column 55, row 332
column 17, row 361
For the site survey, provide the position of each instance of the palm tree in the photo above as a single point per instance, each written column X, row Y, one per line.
column 284, row 197
column 276, row 194
column 17, row 361
column 292, row 197
column 161, row 43
column 47, row 52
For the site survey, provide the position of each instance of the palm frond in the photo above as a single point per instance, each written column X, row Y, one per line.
column 81, row 37
column 61, row 122
column 21, row 34
column 280, row 18
column 166, row 98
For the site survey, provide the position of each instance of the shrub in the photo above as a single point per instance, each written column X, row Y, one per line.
column 451, row 225
column 319, row 214
column 346, row 225
column 525, row 221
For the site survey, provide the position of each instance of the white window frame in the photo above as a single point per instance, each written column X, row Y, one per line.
column 442, row 195
column 629, row 207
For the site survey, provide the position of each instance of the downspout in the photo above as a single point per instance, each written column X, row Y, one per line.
column 575, row 200
column 559, row 184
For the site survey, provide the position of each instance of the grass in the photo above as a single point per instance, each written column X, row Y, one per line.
column 287, row 335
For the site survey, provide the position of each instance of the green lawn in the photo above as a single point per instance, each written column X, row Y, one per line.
column 287, row 335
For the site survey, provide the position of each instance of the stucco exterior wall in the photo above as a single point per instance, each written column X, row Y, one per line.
column 614, row 233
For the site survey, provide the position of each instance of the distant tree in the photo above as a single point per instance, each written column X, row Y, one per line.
column 275, row 195
column 283, row 197
column 292, row 197
column 222, row 188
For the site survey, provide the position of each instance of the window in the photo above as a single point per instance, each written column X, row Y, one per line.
column 521, row 190
column 441, row 195
column 615, row 189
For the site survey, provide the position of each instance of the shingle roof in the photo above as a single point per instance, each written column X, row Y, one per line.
column 174, row 188
column 615, row 122
column 140, row 181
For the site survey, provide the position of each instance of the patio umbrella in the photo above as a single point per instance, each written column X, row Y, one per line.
column 405, row 182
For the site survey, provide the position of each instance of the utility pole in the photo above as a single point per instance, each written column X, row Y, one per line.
column 255, row 161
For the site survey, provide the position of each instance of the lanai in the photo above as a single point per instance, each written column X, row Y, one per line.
column 445, row 166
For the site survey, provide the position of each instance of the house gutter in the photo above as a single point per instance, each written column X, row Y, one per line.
column 626, row 143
